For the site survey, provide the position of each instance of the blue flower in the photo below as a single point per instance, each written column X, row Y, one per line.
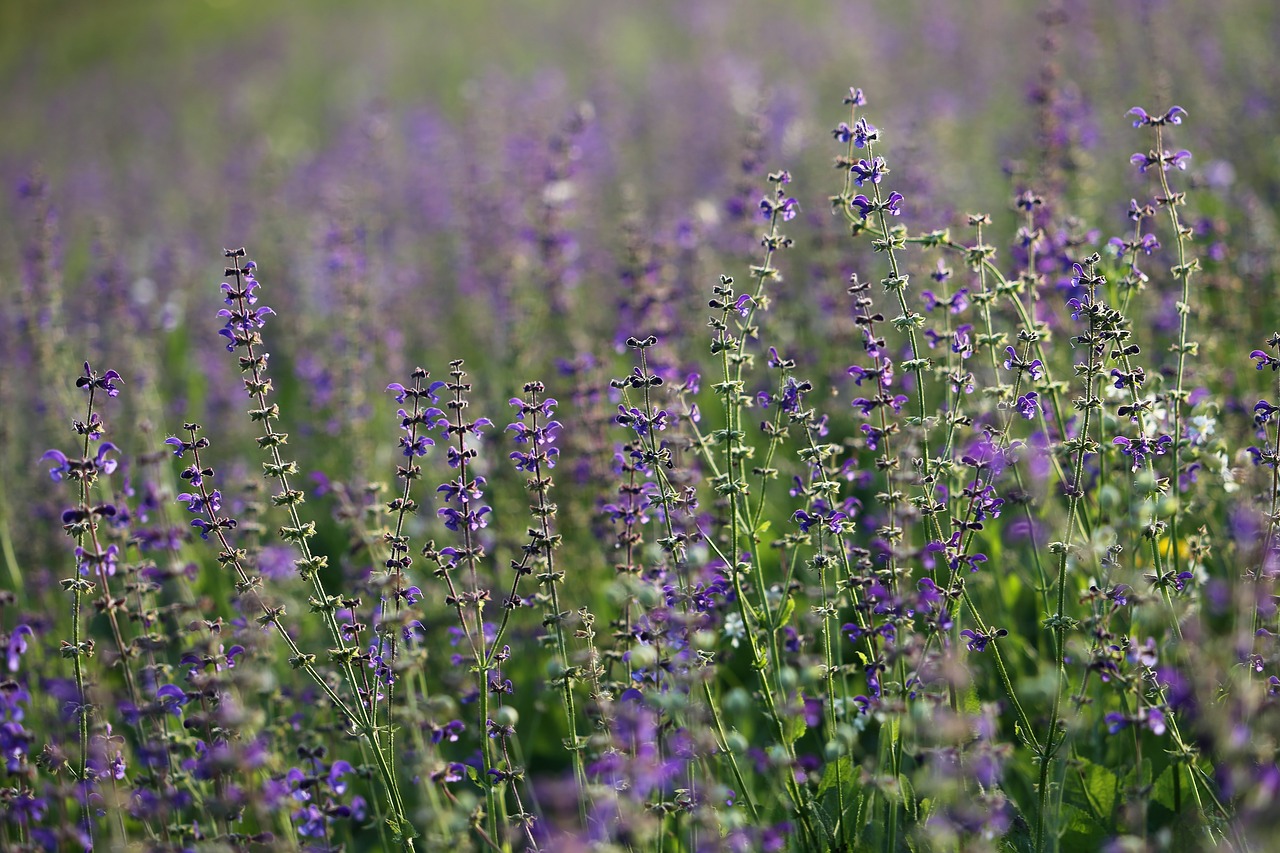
column 61, row 466
column 869, row 170
column 977, row 641
column 1265, row 360
column 106, row 381
column 1173, row 115
column 864, row 133
column 17, row 645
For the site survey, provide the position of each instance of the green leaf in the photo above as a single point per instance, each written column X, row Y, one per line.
column 794, row 728
column 1020, row 838
column 1081, row 830
column 1094, row 790
column 842, row 766
column 1161, row 812
column 1162, row 791
column 825, row 822
column 788, row 607
column 909, row 802
column 1140, row 776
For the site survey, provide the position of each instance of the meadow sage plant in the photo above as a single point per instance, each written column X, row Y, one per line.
column 837, row 517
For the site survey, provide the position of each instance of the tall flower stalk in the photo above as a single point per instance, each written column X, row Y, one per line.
column 737, row 324
column 465, row 513
column 1160, row 160
column 1081, row 446
column 536, row 431
column 244, row 319
column 82, row 522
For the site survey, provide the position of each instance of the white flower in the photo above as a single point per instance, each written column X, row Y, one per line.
column 734, row 629
column 1227, row 473
column 1153, row 421
column 1201, row 428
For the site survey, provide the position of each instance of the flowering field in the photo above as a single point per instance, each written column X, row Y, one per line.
column 716, row 427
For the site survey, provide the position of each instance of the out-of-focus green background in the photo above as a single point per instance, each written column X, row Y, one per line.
column 78, row 75
column 419, row 138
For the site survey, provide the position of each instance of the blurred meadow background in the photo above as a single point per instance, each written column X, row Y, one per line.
column 536, row 189
column 144, row 133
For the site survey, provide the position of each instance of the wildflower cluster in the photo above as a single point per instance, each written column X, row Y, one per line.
column 916, row 530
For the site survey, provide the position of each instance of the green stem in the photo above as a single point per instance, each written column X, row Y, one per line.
column 1052, row 742
column 1183, row 271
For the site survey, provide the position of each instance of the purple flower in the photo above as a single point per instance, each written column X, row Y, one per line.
column 105, row 465
column 641, row 422
column 1165, row 159
column 181, row 446
column 196, row 502
column 448, row 732
column 1172, row 116
column 337, row 771
column 1142, row 117
column 231, row 295
column 542, row 435
column 244, row 320
column 866, row 206
column 977, row 641
column 1133, row 378
column 1140, row 448
column 106, row 381
column 1265, row 360
column 170, row 698
column 882, row 375
column 456, row 521
column 98, row 563
column 872, row 170
column 311, row 821
column 955, row 303
column 864, row 133
column 17, row 646
column 1147, row 244
column 415, row 445
column 1077, row 307
column 833, row 521
column 1034, row 368
column 785, row 208
column 1155, row 720
column 61, row 464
